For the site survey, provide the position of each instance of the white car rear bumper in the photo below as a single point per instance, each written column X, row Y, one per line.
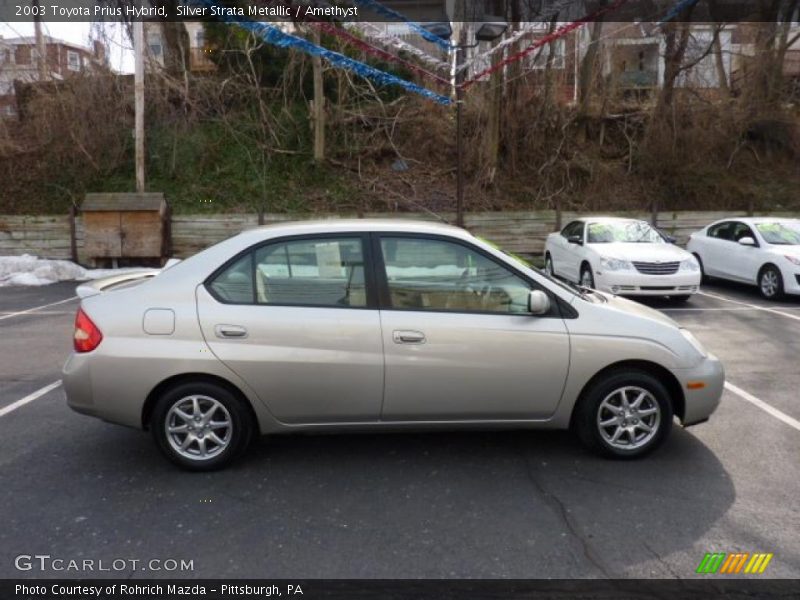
column 633, row 283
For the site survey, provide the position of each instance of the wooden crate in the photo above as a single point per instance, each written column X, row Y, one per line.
column 123, row 226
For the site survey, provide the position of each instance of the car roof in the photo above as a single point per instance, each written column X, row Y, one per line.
column 753, row 220
column 601, row 219
column 353, row 225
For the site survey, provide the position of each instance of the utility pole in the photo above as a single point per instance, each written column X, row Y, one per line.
column 318, row 108
column 459, row 78
column 138, row 93
column 41, row 47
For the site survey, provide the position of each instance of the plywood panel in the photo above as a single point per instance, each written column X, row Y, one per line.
column 142, row 234
column 102, row 234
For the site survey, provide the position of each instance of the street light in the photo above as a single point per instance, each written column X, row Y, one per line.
column 491, row 28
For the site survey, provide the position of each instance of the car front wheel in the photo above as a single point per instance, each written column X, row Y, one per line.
column 625, row 414
column 587, row 279
column 201, row 426
column 770, row 283
column 548, row 266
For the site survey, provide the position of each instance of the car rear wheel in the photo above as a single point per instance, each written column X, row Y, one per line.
column 587, row 279
column 770, row 283
column 625, row 414
column 680, row 299
column 201, row 426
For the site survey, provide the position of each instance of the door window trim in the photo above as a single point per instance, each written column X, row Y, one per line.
column 366, row 251
column 566, row 235
column 557, row 306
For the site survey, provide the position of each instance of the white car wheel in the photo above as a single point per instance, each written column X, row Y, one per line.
column 587, row 279
column 770, row 283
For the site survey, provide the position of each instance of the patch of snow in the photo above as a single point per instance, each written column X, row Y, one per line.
column 31, row 270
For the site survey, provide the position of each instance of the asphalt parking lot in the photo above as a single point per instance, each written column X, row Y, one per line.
column 438, row 505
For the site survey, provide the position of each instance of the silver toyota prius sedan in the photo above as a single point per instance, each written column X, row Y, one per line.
column 358, row 325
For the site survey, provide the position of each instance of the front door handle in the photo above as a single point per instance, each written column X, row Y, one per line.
column 408, row 337
column 230, row 331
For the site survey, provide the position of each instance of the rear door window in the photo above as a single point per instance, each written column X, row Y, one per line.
column 315, row 271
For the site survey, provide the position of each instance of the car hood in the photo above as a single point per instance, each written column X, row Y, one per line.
column 637, row 309
column 641, row 252
column 786, row 250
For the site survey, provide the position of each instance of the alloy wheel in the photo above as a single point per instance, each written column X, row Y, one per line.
column 198, row 427
column 628, row 418
column 769, row 283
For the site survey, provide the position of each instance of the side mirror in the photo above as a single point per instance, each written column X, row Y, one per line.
column 575, row 239
column 747, row 241
column 671, row 239
column 538, row 303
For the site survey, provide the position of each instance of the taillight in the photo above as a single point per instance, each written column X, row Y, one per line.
column 87, row 336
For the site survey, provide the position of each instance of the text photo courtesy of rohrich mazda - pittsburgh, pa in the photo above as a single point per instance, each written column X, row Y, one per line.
column 399, row 299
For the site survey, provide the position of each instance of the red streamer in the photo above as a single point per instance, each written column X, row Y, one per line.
column 361, row 44
column 559, row 32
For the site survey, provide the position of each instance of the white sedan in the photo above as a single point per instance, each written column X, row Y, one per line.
column 760, row 251
column 621, row 256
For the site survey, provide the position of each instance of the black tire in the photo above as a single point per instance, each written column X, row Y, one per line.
column 777, row 288
column 548, row 265
column 586, row 270
column 703, row 277
column 680, row 299
column 588, row 412
column 237, row 437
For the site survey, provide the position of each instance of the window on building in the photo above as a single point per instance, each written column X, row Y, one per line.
column 539, row 58
column 73, row 61
column 23, row 55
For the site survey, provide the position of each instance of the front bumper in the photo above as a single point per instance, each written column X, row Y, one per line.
column 633, row 283
column 791, row 281
column 702, row 389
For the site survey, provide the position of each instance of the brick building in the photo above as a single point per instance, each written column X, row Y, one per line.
column 19, row 62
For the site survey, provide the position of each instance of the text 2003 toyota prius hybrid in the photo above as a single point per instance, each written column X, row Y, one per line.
column 368, row 325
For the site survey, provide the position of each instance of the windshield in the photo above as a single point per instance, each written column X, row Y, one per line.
column 628, row 232
column 780, row 233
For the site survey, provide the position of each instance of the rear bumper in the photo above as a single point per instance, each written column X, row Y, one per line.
column 633, row 283
column 700, row 402
column 78, row 385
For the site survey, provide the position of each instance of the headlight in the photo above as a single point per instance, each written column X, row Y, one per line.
column 694, row 342
column 690, row 264
column 792, row 259
column 614, row 264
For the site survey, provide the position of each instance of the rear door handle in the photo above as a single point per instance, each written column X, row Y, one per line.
column 408, row 337
column 230, row 331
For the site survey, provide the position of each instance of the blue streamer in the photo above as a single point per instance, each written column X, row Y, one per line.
column 273, row 35
column 676, row 10
column 388, row 12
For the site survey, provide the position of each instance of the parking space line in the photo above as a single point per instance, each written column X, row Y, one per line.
column 753, row 306
column 768, row 408
column 742, row 309
column 35, row 308
column 29, row 398
column 45, row 313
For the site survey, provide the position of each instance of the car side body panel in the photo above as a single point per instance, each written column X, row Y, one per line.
column 114, row 381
